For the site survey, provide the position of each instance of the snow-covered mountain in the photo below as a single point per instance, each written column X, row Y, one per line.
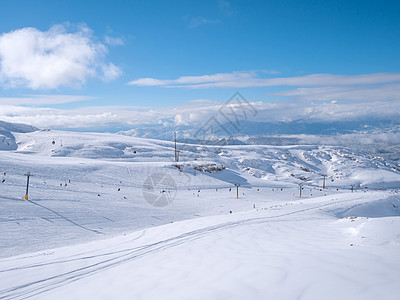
column 380, row 137
column 254, row 128
column 106, row 210
column 294, row 164
column 7, row 130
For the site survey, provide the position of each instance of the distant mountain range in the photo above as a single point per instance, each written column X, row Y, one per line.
column 376, row 136
column 379, row 137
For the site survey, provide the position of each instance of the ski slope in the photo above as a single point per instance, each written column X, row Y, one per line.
column 88, row 230
column 287, row 251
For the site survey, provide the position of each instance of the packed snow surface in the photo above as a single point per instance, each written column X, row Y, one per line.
column 115, row 217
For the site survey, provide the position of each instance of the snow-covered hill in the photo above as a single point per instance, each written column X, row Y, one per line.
column 7, row 130
column 256, row 164
column 134, row 224
column 314, row 249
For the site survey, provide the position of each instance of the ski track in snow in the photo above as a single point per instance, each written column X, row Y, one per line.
column 116, row 258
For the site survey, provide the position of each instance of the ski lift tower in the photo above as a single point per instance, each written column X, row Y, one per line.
column 28, row 175
column 237, row 190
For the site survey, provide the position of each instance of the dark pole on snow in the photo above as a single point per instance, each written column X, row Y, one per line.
column 175, row 146
column 301, row 187
column 27, row 184
column 323, row 185
column 237, row 190
column 176, row 150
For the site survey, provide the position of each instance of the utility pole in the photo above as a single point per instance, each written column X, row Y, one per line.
column 301, row 187
column 176, row 151
column 237, row 190
column 323, row 185
column 27, row 184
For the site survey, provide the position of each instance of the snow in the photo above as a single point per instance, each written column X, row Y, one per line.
column 87, row 231
column 7, row 139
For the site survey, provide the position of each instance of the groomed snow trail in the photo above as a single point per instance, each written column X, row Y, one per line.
column 289, row 252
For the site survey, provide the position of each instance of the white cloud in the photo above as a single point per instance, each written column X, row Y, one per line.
column 199, row 21
column 97, row 116
column 43, row 99
column 51, row 59
column 197, row 112
column 381, row 92
column 147, row 82
column 110, row 72
column 246, row 79
column 224, row 4
column 113, row 41
column 226, row 8
column 190, row 81
column 367, row 139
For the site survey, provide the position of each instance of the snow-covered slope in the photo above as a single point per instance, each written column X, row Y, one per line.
column 281, row 250
column 7, row 139
column 93, row 195
column 252, row 163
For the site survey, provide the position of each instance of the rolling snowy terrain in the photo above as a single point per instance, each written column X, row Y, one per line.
column 113, row 216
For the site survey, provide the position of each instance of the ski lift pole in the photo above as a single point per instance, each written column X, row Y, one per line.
column 237, row 190
column 301, row 187
column 323, row 185
column 28, row 175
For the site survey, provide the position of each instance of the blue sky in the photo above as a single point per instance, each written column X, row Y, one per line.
column 133, row 52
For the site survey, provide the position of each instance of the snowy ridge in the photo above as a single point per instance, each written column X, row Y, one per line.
column 293, row 164
column 87, row 230
column 7, row 139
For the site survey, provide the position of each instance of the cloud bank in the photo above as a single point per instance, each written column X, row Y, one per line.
column 194, row 113
column 247, row 79
column 43, row 99
column 61, row 56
